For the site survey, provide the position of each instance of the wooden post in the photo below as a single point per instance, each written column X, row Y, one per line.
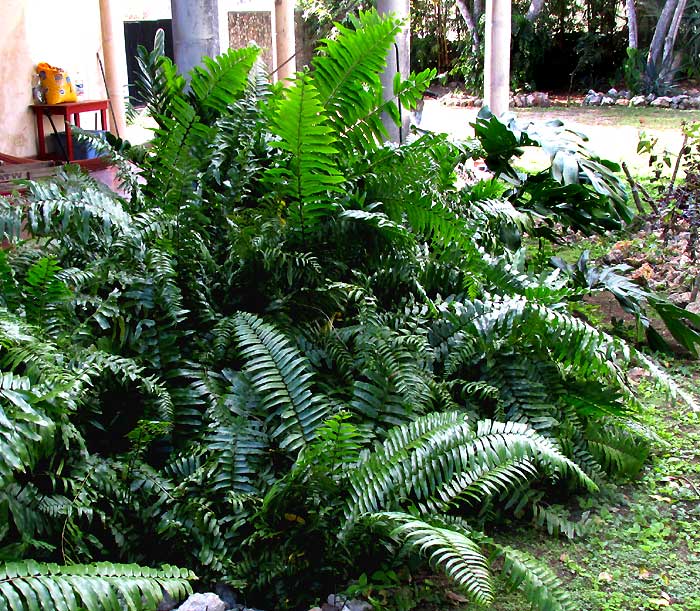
column 398, row 60
column 285, row 39
column 195, row 32
column 497, row 56
column 113, row 51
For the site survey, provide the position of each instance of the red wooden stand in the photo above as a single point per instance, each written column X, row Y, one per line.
column 70, row 111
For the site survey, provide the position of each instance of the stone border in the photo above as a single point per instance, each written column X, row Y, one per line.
column 613, row 97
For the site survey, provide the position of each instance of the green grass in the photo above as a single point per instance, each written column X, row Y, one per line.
column 644, row 550
column 643, row 117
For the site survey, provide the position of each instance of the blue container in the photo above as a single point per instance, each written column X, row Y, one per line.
column 81, row 149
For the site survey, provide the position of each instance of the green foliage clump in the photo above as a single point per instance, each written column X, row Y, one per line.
column 291, row 346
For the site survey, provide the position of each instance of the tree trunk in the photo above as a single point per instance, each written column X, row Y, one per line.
column 535, row 9
column 670, row 41
column 472, row 24
column 478, row 11
column 497, row 56
column 662, row 27
column 632, row 24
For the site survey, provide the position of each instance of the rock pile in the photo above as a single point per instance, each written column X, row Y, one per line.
column 460, row 99
column 668, row 269
column 528, row 100
column 519, row 100
column 225, row 600
column 613, row 97
column 336, row 602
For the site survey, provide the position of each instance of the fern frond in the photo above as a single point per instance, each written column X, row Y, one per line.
column 352, row 62
column 75, row 216
column 618, row 450
column 219, row 82
column 542, row 588
column 449, row 550
column 24, row 427
column 568, row 340
column 305, row 134
column 99, row 587
column 43, row 288
column 281, row 376
column 10, row 220
column 159, row 80
column 417, row 459
column 336, row 447
column 180, row 144
column 237, row 447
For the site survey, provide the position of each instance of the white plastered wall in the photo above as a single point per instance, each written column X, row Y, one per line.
column 64, row 33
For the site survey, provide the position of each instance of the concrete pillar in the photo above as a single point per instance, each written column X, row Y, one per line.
column 195, row 32
column 398, row 60
column 497, row 55
column 113, row 52
column 285, row 39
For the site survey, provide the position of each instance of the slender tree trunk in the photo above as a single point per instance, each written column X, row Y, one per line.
column 662, row 27
column 670, row 40
column 472, row 24
column 632, row 24
column 478, row 11
column 535, row 9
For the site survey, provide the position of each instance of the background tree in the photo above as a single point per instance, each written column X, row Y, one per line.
column 633, row 32
column 665, row 33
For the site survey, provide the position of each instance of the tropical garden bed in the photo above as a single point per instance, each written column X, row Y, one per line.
column 292, row 353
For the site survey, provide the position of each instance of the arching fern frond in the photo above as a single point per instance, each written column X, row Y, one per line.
column 282, row 378
column 219, row 82
column 417, row 459
column 346, row 72
column 620, row 451
column 449, row 550
column 542, row 588
column 99, row 587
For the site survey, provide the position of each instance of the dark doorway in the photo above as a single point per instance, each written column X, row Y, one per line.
column 142, row 33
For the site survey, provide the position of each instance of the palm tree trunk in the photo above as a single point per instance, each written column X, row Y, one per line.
column 471, row 23
column 660, row 32
column 632, row 24
column 670, row 40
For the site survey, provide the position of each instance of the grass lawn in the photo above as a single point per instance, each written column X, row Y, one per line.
column 613, row 131
column 644, row 549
